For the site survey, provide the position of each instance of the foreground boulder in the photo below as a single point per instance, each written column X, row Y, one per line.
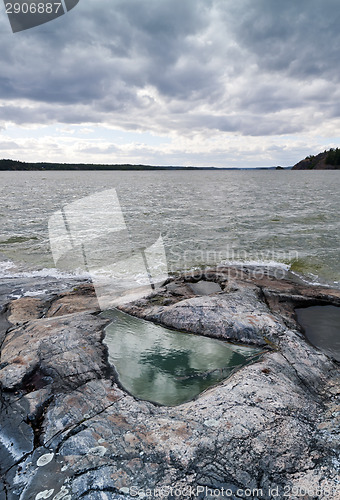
column 69, row 431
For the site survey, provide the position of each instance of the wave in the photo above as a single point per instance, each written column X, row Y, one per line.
column 313, row 279
column 306, row 277
column 257, row 263
column 9, row 269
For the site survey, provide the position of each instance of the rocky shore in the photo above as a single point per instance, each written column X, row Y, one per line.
column 70, row 431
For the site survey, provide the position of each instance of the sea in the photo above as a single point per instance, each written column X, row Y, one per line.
column 194, row 219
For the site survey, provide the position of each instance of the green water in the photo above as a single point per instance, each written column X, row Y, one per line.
column 166, row 366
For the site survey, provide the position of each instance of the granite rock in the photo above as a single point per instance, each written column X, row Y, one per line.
column 69, row 431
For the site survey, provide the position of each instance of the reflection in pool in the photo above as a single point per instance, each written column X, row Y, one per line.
column 166, row 366
column 322, row 327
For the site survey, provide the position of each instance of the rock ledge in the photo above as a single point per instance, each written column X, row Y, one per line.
column 68, row 431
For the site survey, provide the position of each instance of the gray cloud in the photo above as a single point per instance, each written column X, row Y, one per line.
column 299, row 38
column 171, row 65
column 109, row 150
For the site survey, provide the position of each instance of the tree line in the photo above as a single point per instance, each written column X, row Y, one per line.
column 333, row 156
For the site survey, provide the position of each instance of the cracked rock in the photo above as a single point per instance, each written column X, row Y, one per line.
column 69, row 431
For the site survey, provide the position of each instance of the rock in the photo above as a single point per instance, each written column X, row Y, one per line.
column 17, row 437
column 4, row 323
column 82, row 298
column 25, row 309
column 53, row 351
column 77, row 434
column 237, row 316
column 205, row 287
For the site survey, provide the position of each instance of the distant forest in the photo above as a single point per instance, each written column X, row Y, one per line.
column 333, row 157
column 20, row 165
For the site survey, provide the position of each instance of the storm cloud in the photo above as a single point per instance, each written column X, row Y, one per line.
column 190, row 70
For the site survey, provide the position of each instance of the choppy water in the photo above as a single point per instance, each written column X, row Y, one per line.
column 279, row 217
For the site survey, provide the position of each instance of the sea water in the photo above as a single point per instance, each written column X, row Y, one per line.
column 287, row 219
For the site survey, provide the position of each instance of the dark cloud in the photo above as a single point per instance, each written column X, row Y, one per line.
column 174, row 65
column 299, row 38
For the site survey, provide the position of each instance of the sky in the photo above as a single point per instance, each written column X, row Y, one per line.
column 252, row 83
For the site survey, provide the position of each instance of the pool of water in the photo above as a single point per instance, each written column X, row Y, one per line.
column 166, row 366
column 322, row 327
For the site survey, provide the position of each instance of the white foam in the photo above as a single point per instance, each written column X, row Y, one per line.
column 10, row 270
column 312, row 281
column 5, row 266
column 257, row 263
column 35, row 293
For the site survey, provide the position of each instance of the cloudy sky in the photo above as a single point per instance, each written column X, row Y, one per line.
column 173, row 82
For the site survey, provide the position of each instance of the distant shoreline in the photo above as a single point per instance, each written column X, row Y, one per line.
column 13, row 165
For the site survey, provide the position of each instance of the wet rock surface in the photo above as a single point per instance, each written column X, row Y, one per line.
column 68, row 431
